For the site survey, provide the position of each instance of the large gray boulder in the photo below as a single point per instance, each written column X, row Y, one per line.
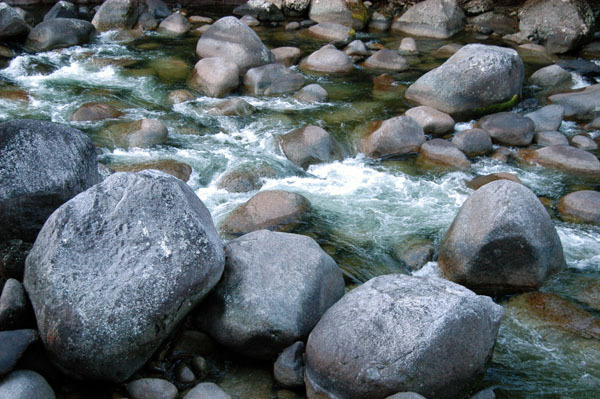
column 231, row 39
column 476, row 77
column 60, row 32
column 582, row 104
column 42, row 165
column 309, row 145
column 432, row 18
column 116, row 268
column 25, row 384
column 394, row 137
column 561, row 25
column 502, row 241
column 12, row 25
column 118, row 14
column 399, row 333
column 274, row 289
column 272, row 79
column 351, row 13
column 215, row 76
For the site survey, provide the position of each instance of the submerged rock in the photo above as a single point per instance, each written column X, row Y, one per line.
column 414, row 252
column 432, row 18
column 481, row 181
column 178, row 169
column 502, row 241
column 386, row 60
column 581, row 207
column 308, row 145
column 141, row 134
column 60, row 32
column 398, row 333
column 116, row 268
column 95, row 112
column 233, row 107
column 397, row 136
column 312, row 93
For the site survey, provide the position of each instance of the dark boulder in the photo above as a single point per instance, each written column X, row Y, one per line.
column 12, row 25
column 507, row 128
column 272, row 79
column 473, row 142
column 14, row 307
column 60, row 32
column 12, row 346
column 288, row 369
column 62, row 9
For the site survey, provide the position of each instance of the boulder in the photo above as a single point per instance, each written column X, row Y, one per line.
column 431, row 18
column 12, row 25
column 399, row 333
column 95, row 112
column 386, row 60
column 215, row 76
column 350, row 13
column 174, row 25
column 288, row 369
column 494, row 22
column 414, row 252
column 231, row 39
column 475, row 78
column 240, row 181
column 118, row 14
column 502, row 241
column 14, row 309
column 312, row 93
column 581, row 207
column 272, row 210
column 158, row 8
column 565, row 158
column 431, row 120
column 440, row 152
column 115, row 269
column 561, row 25
column 308, row 146
column 287, row 56
column 60, row 32
column 582, row 105
column 152, row 388
column 12, row 346
column 25, row 384
column 481, row 181
column 552, row 75
column 397, row 136
column 584, row 143
column 585, row 68
column 331, row 31
column 507, row 128
column 259, row 316
column 206, row 390
column 272, row 79
column 137, row 134
column 180, row 170
column 473, row 142
column 233, row 107
column 328, row 59
column 62, row 9
column 547, row 139
column 42, row 165
column 548, row 118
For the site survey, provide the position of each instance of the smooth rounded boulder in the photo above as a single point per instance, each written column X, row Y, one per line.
column 272, row 79
column 581, row 207
column 508, row 128
column 42, row 165
column 116, row 268
column 502, row 241
column 440, row 152
column 25, row 384
column 174, row 25
column 118, row 14
column 399, row 333
column 476, row 77
column 312, row 93
column 308, row 145
column 548, row 118
column 565, row 158
column 546, row 139
column 432, row 18
column 328, row 59
column 60, row 32
column 215, row 76
column 473, row 142
column 433, row 121
column 274, row 289
column 393, row 137
column 231, row 39
column 386, row 60
column 552, row 75
column 349, row 13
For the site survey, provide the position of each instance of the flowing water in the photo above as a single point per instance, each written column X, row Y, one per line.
column 361, row 208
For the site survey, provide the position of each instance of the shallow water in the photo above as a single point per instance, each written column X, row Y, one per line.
column 361, row 208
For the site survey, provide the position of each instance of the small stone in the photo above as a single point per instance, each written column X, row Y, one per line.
column 152, row 388
column 508, row 128
column 397, row 136
column 440, row 152
column 552, row 75
column 312, row 93
column 25, row 384
column 331, row 31
column 287, row 56
column 180, row 96
column 14, row 312
column 328, row 59
column 292, row 26
column 184, row 374
column 289, row 366
column 200, row 366
column 192, row 343
column 584, row 143
column 308, row 146
column 503, row 154
column 408, row 45
column 197, row 19
column 485, row 394
column 12, row 346
column 414, row 252
column 95, row 112
column 249, row 20
column 356, row 47
column 480, row 181
column 233, row 107
column 386, row 60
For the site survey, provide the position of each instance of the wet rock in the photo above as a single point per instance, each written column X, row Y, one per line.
column 581, row 207
column 504, row 154
column 475, row 7
column 414, row 252
column 215, row 76
column 287, row 56
column 174, row 25
column 231, row 39
column 508, row 128
column 60, row 32
column 12, row 25
column 250, row 21
column 582, row 105
column 481, row 181
column 25, row 384
column 152, row 388
column 353, row 14
column 118, row 14
column 549, row 76
column 62, row 9
column 547, row 139
column 12, row 259
column 440, row 152
column 308, row 146
column 42, row 165
column 380, row 22
column 206, row 390
column 258, row 316
column 473, row 142
column 431, row 18
column 494, row 22
column 566, row 158
column 397, row 136
column 502, row 241
column 463, row 84
column 272, row 79
column 158, row 8
column 406, row 395
column 12, row 346
column 312, row 93
column 14, row 312
column 99, row 315
column 548, row 118
column 240, row 181
column 560, row 25
column 356, row 47
column 328, row 59
column 395, row 326
column 431, row 120
column 192, row 343
column 272, row 210
column 180, row 170
column 180, row 96
column 140, row 134
column 184, row 374
column 289, row 366
column 408, row 45
column 95, row 112
column 233, row 107
column 331, row 32
column 584, row 143
column 386, row 60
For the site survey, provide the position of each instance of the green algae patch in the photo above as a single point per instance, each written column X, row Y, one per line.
column 499, row 107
